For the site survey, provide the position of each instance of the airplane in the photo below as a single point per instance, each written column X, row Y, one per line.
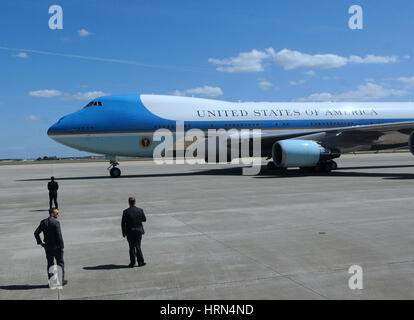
column 308, row 135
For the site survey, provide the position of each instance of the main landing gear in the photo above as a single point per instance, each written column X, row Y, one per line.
column 113, row 170
column 322, row 166
column 326, row 166
column 271, row 166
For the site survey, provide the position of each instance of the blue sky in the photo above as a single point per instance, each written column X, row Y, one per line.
column 230, row 50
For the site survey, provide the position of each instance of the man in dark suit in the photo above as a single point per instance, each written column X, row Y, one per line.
column 53, row 187
column 132, row 228
column 52, row 241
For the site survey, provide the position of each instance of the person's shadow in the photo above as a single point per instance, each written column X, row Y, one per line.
column 24, row 287
column 106, row 267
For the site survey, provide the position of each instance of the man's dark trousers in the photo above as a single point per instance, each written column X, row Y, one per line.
column 53, row 197
column 51, row 255
column 134, row 237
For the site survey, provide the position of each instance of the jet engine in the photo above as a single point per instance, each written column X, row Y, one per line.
column 300, row 153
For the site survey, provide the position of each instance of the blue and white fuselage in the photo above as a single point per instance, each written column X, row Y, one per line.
column 116, row 125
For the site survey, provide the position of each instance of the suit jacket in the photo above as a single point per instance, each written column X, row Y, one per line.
column 132, row 220
column 53, row 187
column 51, row 232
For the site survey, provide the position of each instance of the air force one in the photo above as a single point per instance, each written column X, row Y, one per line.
column 292, row 134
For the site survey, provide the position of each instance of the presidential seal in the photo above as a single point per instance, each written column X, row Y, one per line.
column 145, row 142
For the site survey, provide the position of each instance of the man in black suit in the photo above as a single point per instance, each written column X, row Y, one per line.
column 53, row 187
column 132, row 228
column 53, row 241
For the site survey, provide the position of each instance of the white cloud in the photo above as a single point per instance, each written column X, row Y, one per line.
column 77, row 96
column 408, row 82
column 206, row 91
column 264, row 84
column 316, row 97
column 22, row 55
column 45, row 93
column 290, row 59
column 330, row 78
column 84, row 33
column 310, row 73
column 86, row 95
column 32, row 118
column 244, row 62
column 297, row 83
column 369, row 91
column 371, row 59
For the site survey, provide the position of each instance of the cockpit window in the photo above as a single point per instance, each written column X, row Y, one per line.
column 94, row 103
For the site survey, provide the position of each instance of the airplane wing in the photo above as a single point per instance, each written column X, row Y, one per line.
column 346, row 138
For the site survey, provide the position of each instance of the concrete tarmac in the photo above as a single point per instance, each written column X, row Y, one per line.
column 212, row 233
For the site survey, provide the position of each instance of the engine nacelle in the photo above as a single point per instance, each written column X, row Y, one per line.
column 299, row 153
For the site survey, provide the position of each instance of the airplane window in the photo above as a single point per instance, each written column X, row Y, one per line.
column 94, row 103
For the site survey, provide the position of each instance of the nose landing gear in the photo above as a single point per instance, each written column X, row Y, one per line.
column 113, row 170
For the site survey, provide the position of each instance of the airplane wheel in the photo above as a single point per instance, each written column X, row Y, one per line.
column 326, row 167
column 334, row 165
column 115, row 172
column 318, row 168
column 271, row 166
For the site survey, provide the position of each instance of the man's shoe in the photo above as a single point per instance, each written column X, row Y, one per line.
column 131, row 265
column 142, row 264
column 65, row 282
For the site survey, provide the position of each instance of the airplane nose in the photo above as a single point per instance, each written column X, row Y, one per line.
column 50, row 130
column 56, row 128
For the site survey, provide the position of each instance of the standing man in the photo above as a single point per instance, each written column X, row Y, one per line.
column 132, row 228
column 53, row 187
column 53, row 242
